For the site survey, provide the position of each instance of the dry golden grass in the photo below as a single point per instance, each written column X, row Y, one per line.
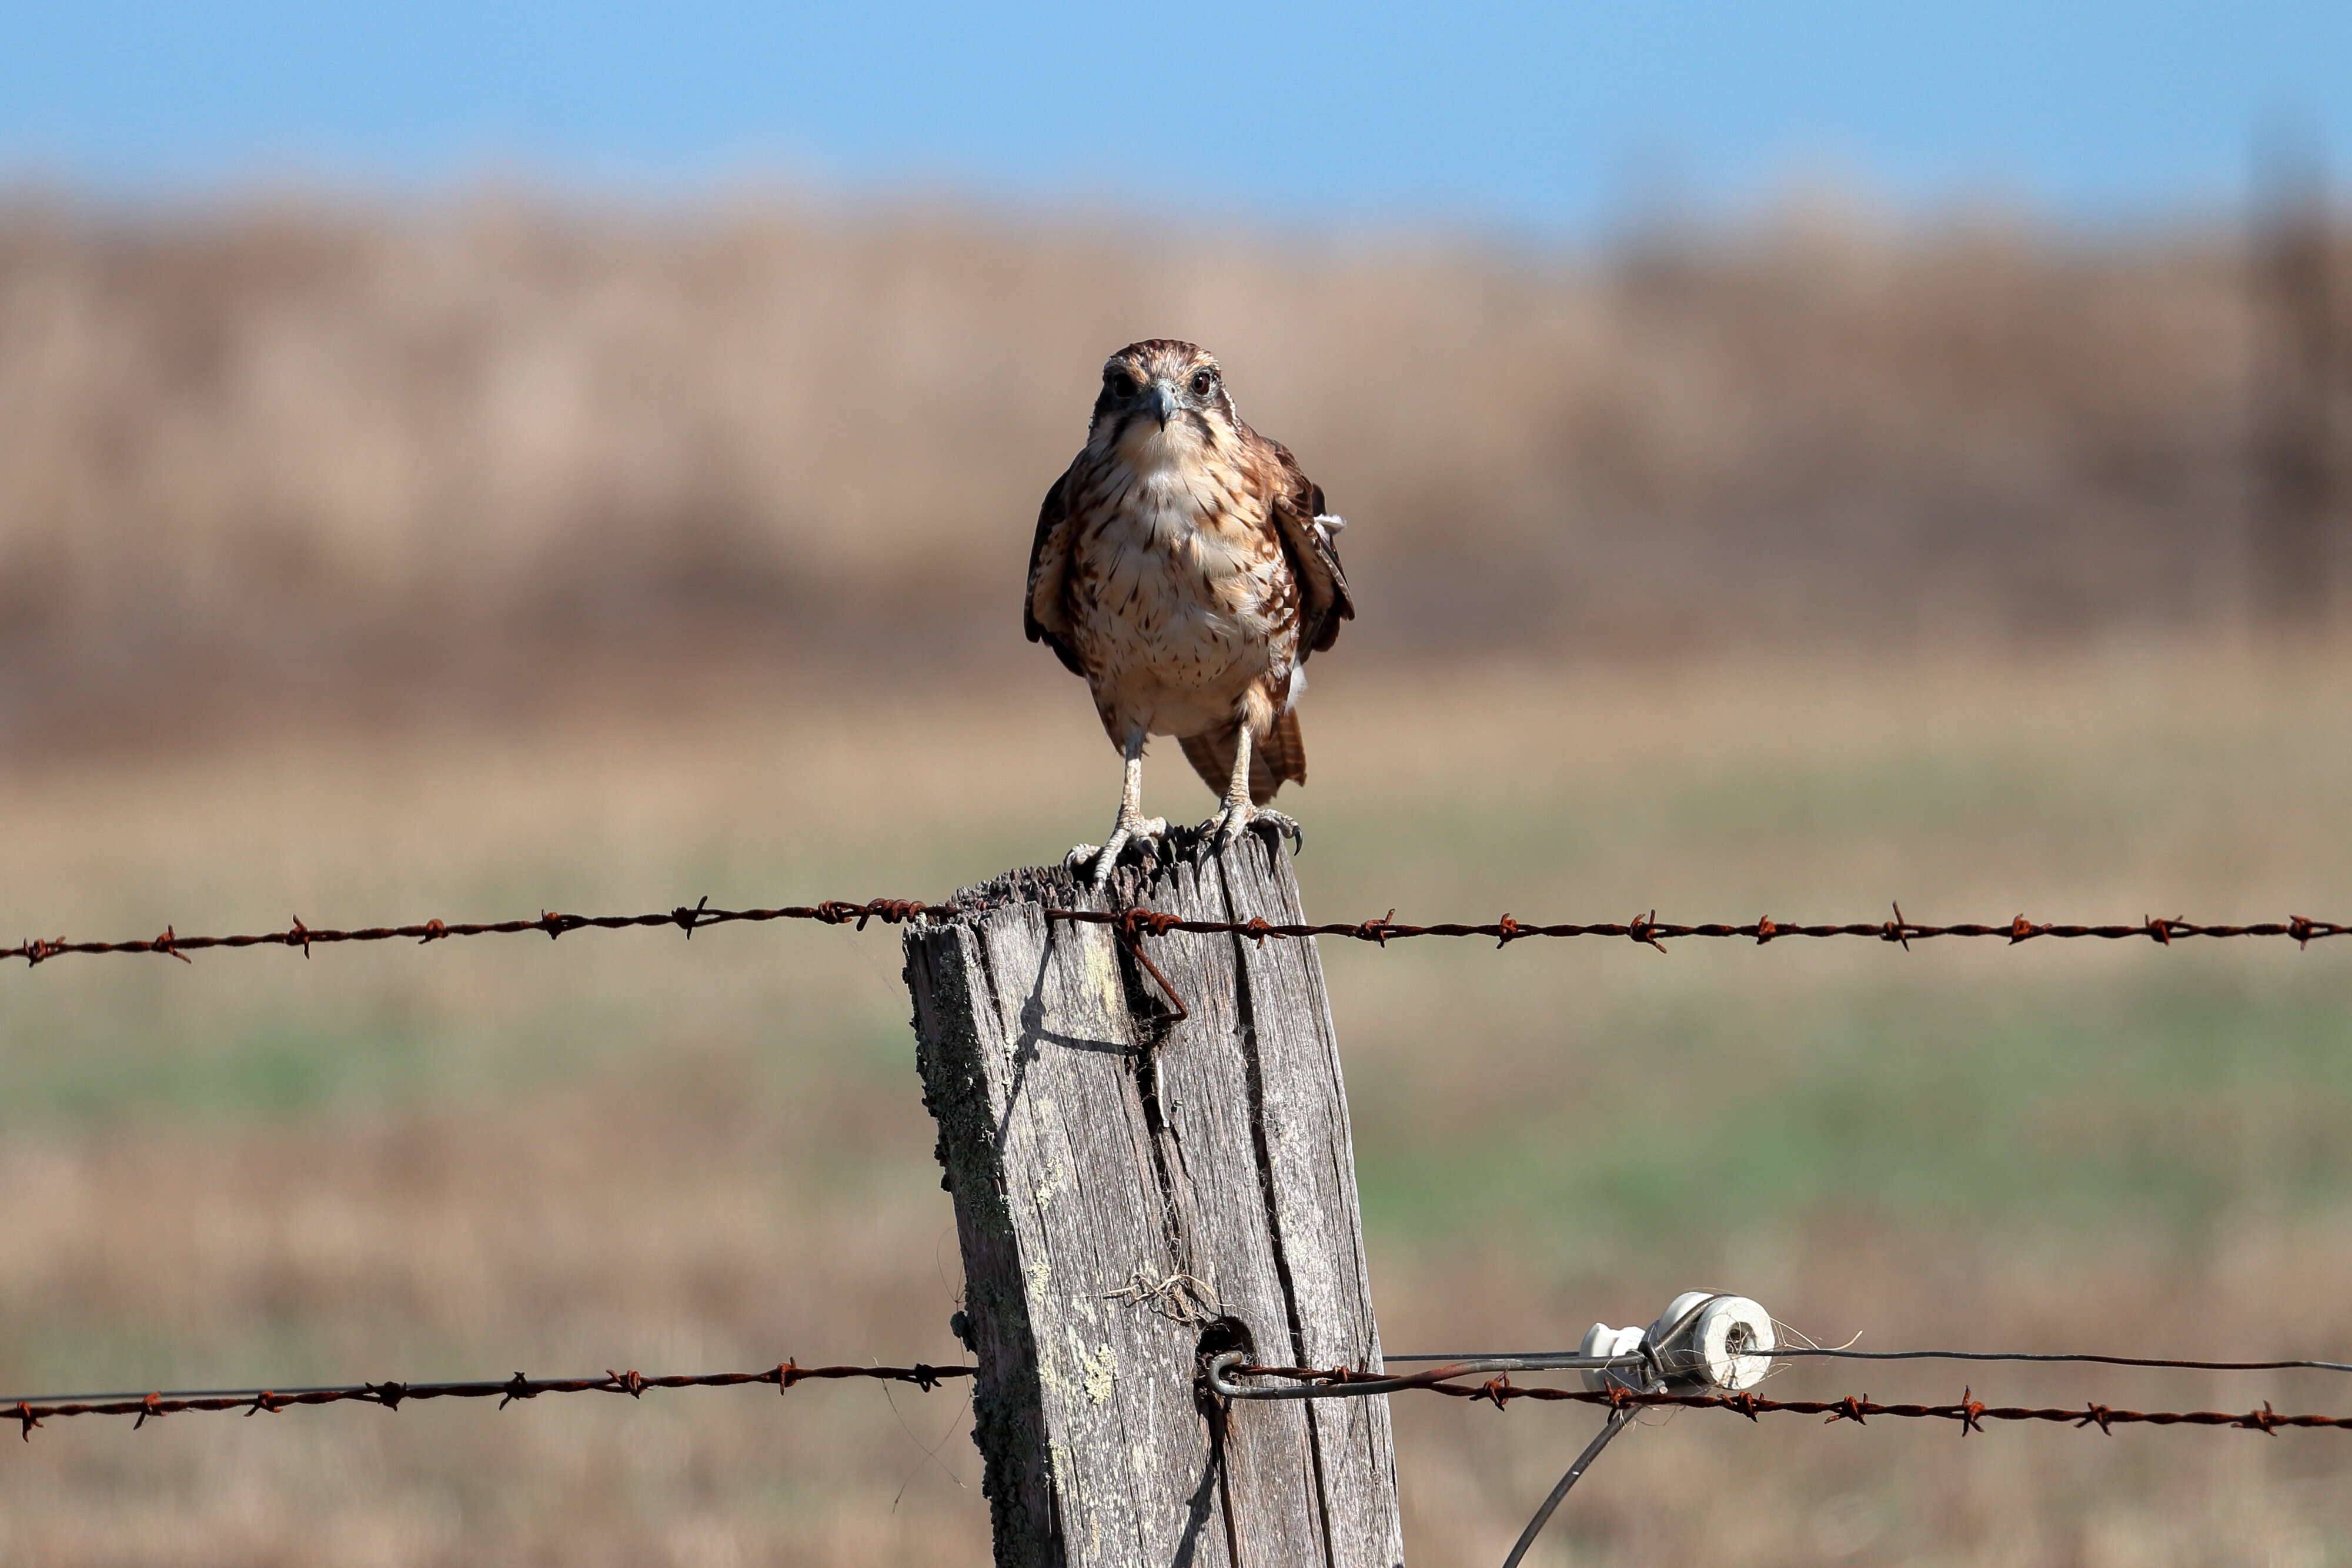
column 305, row 439
column 625, row 1150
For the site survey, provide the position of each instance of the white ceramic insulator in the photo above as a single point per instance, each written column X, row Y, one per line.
column 1673, row 1315
column 1722, row 1322
column 1602, row 1340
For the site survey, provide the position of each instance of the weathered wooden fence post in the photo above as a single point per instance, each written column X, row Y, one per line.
column 1130, row 1189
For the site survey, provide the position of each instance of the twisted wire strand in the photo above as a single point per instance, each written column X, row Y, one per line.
column 1968, row 1411
column 33, row 1410
column 1648, row 929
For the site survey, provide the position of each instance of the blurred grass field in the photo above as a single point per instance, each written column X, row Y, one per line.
column 626, row 1150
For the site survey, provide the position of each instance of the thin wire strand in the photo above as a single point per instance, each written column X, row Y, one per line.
column 2163, row 1361
column 1618, row 1421
column 1532, row 1360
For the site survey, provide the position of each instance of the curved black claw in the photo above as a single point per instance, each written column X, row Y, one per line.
column 1281, row 825
column 1227, row 826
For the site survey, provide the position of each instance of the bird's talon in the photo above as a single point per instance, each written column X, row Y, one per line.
column 1228, row 826
column 1107, row 859
column 1144, row 832
column 1279, row 826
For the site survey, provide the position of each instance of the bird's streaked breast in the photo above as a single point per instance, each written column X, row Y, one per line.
column 1179, row 576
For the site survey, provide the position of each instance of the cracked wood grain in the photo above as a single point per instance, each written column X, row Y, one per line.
column 1124, row 1185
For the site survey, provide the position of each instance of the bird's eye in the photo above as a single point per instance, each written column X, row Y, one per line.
column 1202, row 382
column 1118, row 383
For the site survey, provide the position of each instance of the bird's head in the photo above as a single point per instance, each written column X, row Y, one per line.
column 1162, row 396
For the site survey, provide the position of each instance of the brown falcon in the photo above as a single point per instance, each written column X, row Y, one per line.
column 1184, row 565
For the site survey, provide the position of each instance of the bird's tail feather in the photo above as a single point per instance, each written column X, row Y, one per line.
column 1277, row 758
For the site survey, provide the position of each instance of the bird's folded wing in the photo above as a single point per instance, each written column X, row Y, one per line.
column 1323, row 600
column 1046, row 616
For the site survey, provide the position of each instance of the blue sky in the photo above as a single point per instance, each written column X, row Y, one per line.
column 1534, row 118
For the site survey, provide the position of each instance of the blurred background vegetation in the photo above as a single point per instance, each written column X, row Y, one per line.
column 433, row 454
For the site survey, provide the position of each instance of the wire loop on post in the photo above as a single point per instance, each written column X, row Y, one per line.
column 1341, row 1383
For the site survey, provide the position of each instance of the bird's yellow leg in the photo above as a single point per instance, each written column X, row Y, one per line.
column 1238, row 812
column 1130, row 824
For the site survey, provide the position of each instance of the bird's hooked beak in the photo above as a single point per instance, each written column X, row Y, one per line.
column 1163, row 402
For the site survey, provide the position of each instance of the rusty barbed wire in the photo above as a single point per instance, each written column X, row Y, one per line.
column 688, row 918
column 1969, row 1412
column 31, row 1412
column 1131, row 923
column 1652, row 931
